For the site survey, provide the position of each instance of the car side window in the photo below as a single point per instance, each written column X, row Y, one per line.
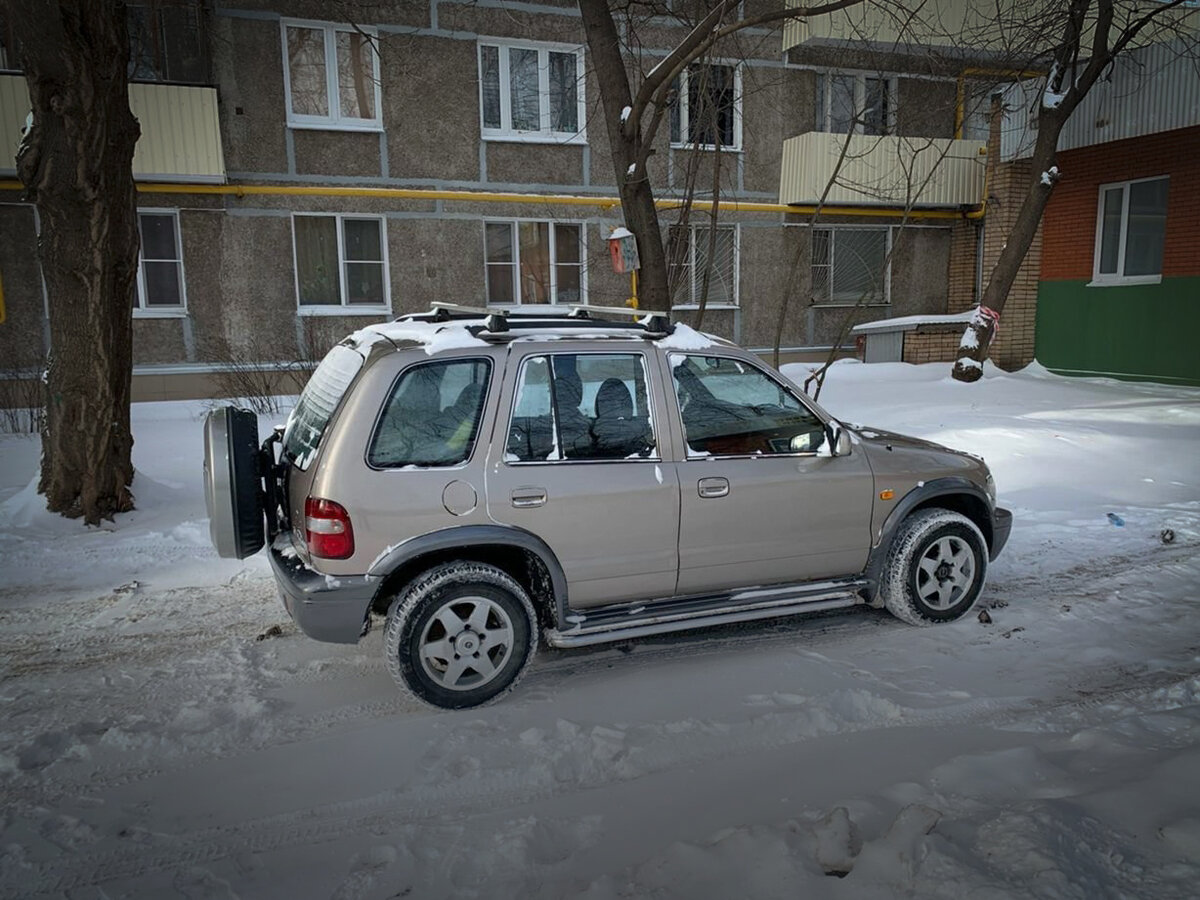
column 432, row 415
column 581, row 407
column 732, row 408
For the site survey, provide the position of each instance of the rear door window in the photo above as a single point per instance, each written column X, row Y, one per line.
column 581, row 406
column 321, row 396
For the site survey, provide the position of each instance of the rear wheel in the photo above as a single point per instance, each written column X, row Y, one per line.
column 935, row 569
column 460, row 636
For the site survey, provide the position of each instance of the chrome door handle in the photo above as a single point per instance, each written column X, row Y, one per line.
column 713, row 487
column 526, row 498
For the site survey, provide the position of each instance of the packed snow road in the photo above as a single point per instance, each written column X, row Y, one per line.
column 168, row 733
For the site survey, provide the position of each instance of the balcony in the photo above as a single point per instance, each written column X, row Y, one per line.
column 181, row 137
column 882, row 170
column 1004, row 27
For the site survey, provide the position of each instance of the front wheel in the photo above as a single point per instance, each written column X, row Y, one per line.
column 460, row 636
column 935, row 569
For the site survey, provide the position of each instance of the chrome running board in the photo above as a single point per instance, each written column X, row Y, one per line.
column 642, row 620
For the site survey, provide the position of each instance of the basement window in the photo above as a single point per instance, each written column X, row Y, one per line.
column 331, row 76
column 341, row 264
column 1131, row 225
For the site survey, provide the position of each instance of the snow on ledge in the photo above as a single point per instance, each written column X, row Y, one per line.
column 909, row 323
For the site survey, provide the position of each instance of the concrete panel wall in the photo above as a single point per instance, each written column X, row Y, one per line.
column 247, row 56
column 431, row 107
column 22, row 343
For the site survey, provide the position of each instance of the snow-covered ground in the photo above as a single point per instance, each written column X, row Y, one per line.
column 153, row 746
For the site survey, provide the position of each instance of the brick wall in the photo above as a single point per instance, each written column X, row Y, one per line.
column 1070, row 220
column 932, row 344
column 960, row 289
column 1008, row 183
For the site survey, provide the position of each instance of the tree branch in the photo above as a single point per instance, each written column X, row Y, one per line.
column 703, row 36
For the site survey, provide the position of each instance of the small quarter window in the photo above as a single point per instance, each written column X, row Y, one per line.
column 432, row 415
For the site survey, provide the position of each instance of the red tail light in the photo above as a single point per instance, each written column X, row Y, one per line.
column 327, row 529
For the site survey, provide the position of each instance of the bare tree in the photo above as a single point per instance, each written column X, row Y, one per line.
column 76, row 162
column 1091, row 34
column 634, row 113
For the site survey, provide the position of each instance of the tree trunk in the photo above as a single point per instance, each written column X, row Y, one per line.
column 76, row 165
column 977, row 338
column 625, row 138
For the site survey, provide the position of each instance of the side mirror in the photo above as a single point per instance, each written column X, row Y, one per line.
column 837, row 439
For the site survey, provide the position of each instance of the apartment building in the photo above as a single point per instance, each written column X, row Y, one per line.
column 306, row 168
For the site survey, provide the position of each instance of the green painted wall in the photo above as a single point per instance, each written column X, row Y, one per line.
column 1144, row 332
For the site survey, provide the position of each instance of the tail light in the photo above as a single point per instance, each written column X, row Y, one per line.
column 327, row 529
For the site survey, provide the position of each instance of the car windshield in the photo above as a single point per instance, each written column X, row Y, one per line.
column 320, row 398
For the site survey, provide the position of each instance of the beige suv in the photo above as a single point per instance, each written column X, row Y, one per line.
column 480, row 479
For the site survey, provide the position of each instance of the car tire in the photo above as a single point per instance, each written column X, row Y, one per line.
column 233, row 483
column 935, row 569
column 460, row 636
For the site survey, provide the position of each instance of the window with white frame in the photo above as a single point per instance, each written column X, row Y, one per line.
column 1130, row 229
column 341, row 261
column 707, row 110
column 534, row 262
column 859, row 103
column 700, row 258
column 531, row 92
column 850, row 265
column 160, row 264
column 331, row 74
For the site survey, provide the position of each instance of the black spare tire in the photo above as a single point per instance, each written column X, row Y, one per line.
column 232, row 482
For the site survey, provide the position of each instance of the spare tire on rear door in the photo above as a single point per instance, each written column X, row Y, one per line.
column 232, row 482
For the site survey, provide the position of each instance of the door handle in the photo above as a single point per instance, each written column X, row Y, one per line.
column 713, row 487
column 527, row 498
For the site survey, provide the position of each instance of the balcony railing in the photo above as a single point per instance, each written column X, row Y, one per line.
column 181, row 135
column 881, row 170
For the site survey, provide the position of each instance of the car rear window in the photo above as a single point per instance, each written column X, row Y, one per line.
column 320, row 398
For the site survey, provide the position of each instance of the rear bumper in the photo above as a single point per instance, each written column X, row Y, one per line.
column 325, row 607
column 1001, row 526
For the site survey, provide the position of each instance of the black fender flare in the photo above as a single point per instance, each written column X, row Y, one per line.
column 937, row 487
column 463, row 537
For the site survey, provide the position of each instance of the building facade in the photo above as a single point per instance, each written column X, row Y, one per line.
column 300, row 176
column 1119, row 276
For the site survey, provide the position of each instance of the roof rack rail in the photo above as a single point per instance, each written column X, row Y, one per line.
column 651, row 320
column 576, row 315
